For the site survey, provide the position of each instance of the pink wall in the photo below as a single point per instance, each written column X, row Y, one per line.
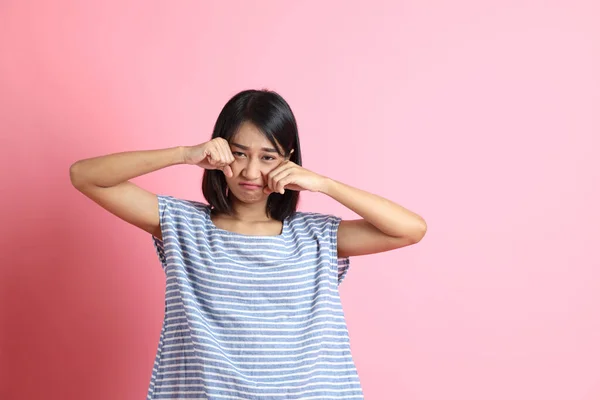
column 481, row 116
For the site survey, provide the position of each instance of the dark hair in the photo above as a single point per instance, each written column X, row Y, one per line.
column 272, row 115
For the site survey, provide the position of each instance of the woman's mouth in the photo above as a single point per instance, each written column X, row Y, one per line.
column 250, row 186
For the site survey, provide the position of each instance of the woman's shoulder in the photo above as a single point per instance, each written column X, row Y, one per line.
column 313, row 219
column 178, row 205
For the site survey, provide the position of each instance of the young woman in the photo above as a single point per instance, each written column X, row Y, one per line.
column 252, row 303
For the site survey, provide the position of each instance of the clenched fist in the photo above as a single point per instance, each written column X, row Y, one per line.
column 214, row 154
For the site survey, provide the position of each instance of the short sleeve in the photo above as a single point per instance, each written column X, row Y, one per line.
column 159, row 244
column 343, row 264
column 175, row 216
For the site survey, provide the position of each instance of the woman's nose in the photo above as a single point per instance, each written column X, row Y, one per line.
column 251, row 170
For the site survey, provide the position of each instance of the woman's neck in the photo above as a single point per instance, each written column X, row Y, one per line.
column 256, row 212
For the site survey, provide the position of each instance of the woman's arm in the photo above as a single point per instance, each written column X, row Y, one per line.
column 110, row 170
column 105, row 180
column 386, row 225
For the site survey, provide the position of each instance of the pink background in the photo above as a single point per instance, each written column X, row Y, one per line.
column 481, row 116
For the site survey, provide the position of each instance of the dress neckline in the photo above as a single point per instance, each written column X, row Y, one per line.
column 216, row 229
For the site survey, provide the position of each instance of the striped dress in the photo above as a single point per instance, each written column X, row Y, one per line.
column 251, row 317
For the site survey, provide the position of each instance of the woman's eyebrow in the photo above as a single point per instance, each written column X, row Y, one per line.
column 267, row 149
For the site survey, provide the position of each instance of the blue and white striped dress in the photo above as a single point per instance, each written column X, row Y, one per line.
column 251, row 317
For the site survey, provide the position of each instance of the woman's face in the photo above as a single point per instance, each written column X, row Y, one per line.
column 254, row 157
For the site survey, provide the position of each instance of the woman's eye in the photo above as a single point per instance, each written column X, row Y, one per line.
column 240, row 154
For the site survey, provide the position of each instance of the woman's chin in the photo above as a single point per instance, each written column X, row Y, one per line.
column 251, row 197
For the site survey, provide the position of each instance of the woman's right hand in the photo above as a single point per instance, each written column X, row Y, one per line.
column 214, row 154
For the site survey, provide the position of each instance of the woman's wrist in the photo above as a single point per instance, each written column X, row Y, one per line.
column 181, row 155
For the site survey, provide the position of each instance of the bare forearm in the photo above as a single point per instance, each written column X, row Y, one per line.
column 113, row 169
column 387, row 216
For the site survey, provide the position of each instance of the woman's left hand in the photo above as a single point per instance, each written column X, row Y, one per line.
column 291, row 176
